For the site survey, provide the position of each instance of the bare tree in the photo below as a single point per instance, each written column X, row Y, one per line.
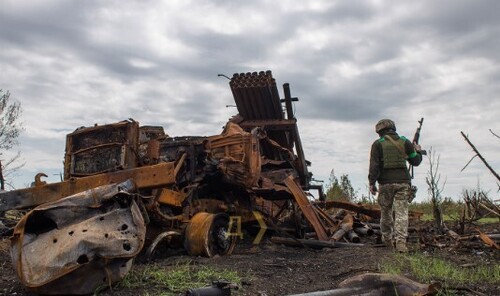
column 10, row 129
column 435, row 189
column 476, row 205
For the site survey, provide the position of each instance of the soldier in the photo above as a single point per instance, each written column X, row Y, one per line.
column 388, row 158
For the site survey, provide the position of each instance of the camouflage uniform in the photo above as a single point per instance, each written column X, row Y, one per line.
column 393, row 197
column 388, row 157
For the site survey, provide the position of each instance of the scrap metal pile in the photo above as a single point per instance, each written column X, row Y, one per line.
column 127, row 188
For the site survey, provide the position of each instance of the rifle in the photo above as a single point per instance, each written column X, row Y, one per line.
column 416, row 138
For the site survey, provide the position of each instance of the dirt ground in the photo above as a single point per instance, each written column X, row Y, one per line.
column 270, row 269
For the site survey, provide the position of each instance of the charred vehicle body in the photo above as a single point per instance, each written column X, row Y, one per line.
column 122, row 180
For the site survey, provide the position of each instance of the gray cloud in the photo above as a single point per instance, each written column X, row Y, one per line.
column 73, row 63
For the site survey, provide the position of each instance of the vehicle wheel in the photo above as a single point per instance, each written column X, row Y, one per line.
column 207, row 235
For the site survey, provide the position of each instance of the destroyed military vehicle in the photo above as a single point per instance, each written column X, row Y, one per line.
column 128, row 187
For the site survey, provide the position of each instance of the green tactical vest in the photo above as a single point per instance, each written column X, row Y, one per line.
column 393, row 153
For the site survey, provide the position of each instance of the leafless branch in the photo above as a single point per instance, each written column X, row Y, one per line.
column 10, row 168
column 480, row 156
column 468, row 162
column 494, row 134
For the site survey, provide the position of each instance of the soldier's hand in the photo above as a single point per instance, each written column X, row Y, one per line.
column 373, row 189
column 417, row 147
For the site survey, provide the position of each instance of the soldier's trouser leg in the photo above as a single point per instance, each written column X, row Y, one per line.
column 385, row 200
column 401, row 212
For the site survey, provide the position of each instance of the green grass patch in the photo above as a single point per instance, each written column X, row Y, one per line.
column 446, row 218
column 489, row 220
column 426, row 269
column 172, row 280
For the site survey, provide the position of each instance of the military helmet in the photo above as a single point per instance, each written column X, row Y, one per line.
column 385, row 124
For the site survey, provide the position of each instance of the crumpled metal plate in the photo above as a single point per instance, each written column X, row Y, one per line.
column 374, row 284
column 79, row 243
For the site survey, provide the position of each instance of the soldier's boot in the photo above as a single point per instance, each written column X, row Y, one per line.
column 401, row 247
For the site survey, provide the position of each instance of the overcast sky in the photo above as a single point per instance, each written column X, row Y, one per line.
column 350, row 63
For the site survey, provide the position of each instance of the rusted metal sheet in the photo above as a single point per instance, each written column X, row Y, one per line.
column 365, row 210
column 238, row 155
column 79, row 243
column 488, row 241
column 100, row 149
column 345, row 227
column 378, row 284
column 388, row 284
column 172, row 149
column 150, row 132
column 171, row 197
column 145, row 177
column 307, row 208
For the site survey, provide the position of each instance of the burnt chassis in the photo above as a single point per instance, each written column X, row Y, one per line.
column 188, row 184
column 216, row 182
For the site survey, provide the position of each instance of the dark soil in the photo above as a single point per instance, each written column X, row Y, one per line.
column 270, row 269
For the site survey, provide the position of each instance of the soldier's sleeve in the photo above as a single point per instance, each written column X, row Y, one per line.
column 414, row 157
column 374, row 171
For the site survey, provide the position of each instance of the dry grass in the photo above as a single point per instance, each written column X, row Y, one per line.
column 5, row 246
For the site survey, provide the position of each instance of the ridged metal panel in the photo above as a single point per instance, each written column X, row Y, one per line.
column 256, row 95
column 257, row 98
